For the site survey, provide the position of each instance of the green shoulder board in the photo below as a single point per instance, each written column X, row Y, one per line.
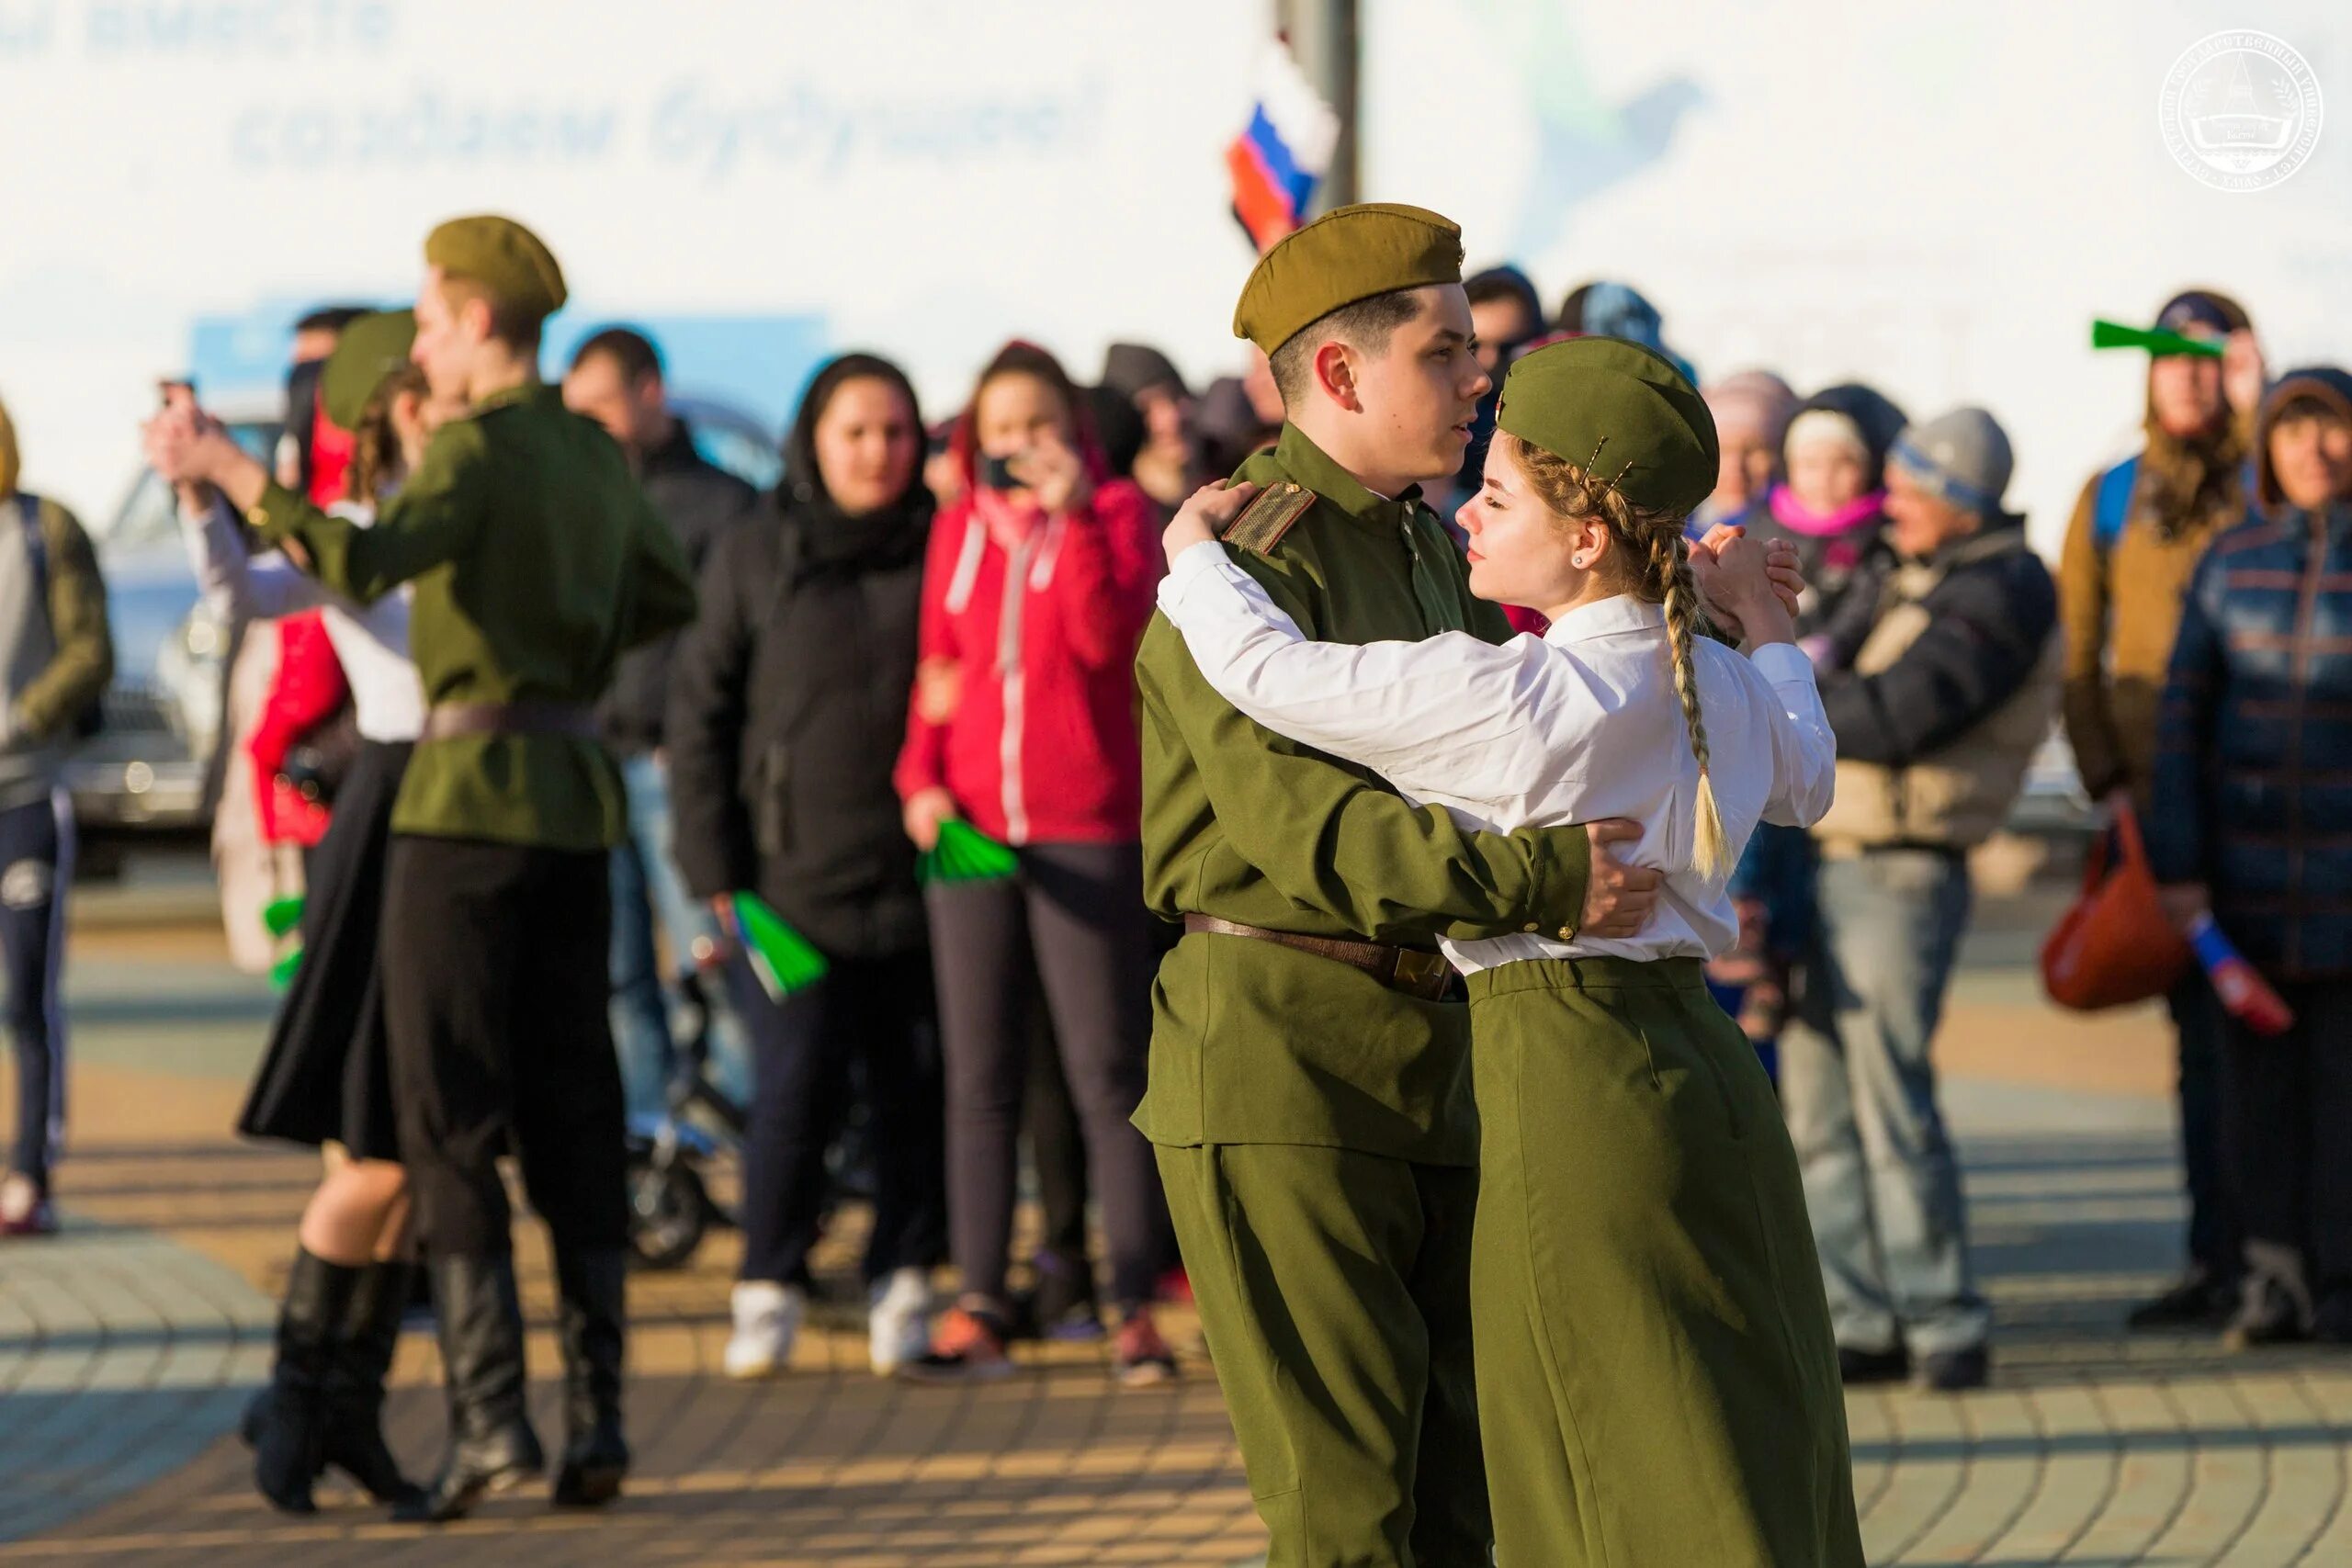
column 1265, row 520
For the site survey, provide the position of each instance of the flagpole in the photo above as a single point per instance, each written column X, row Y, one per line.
column 1323, row 35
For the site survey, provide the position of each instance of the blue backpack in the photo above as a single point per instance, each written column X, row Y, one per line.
column 2111, row 507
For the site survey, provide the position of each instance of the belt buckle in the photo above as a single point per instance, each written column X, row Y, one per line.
column 1423, row 973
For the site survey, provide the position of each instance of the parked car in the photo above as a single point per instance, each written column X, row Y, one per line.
column 733, row 440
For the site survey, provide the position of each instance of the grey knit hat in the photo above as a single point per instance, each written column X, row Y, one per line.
column 1963, row 457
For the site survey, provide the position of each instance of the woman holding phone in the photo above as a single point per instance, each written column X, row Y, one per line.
column 1037, row 588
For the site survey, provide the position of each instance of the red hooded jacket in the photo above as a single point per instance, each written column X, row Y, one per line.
column 1043, row 746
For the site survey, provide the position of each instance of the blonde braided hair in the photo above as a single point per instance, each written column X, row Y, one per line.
column 1652, row 542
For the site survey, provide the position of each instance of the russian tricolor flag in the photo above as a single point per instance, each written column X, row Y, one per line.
column 1279, row 160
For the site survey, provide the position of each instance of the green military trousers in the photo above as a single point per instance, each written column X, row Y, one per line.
column 1658, row 1385
column 1334, row 1291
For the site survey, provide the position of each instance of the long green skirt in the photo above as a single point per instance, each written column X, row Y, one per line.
column 1657, row 1379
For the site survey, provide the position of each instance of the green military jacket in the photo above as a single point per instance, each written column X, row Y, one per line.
column 1254, row 1042
column 536, row 562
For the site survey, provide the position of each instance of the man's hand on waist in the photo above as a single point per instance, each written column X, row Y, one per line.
column 1617, row 899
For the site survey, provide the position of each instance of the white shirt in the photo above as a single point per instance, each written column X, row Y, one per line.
column 1578, row 725
column 386, row 698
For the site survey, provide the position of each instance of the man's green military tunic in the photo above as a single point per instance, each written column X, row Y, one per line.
column 535, row 620
column 1315, row 1129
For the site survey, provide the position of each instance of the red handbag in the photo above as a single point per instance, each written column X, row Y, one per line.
column 2115, row 944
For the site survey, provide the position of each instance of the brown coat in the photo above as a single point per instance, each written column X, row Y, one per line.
column 2119, row 607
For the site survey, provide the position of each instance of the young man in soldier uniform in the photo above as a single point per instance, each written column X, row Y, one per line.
column 537, row 561
column 1309, row 1094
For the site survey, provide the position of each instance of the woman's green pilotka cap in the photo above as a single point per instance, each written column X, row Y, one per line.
column 504, row 257
column 371, row 347
column 1619, row 411
column 1349, row 254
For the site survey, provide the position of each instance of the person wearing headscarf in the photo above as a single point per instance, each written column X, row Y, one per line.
column 1831, row 502
column 1752, row 410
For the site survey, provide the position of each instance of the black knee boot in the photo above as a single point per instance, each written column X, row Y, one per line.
column 491, row 1446
column 287, row 1425
column 363, row 1355
column 593, row 1324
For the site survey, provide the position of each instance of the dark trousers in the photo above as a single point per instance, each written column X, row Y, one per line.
column 36, row 863
column 2289, row 1104
column 1074, row 920
column 2197, row 1018
column 873, row 1014
column 1056, row 1151
column 1335, row 1294
column 495, row 1002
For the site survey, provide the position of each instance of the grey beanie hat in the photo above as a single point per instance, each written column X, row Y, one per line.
column 1963, row 457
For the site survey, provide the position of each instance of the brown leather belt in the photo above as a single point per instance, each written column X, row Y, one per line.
column 456, row 721
column 1422, row 974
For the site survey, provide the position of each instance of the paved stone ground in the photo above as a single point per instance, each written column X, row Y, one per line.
column 127, row 1345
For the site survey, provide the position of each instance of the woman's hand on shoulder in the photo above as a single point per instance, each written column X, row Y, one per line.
column 1209, row 512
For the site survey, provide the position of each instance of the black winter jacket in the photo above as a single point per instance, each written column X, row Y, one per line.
column 1990, row 617
column 2253, row 762
column 789, row 701
column 700, row 502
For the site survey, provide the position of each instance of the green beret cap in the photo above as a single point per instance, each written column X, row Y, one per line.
column 1618, row 411
column 370, row 348
column 503, row 256
column 1349, row 254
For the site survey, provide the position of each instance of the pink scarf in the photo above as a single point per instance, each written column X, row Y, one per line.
column 1009, row 523
column 1799, row 518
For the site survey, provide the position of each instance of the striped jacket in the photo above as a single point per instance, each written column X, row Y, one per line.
column 2253, row 763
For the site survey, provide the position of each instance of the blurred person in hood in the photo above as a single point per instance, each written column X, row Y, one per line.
column 1832, row 501
column 1167, row 466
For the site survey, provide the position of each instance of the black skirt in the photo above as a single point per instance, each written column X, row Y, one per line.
column 327, row 1075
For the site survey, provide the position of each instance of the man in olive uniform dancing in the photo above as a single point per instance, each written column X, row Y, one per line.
column 1309, row 1094
column 536, row 562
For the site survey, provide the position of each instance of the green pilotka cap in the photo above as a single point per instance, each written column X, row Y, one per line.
column 371, row 347
column 502, row 256
column 1349, row 254
column 1622, row 413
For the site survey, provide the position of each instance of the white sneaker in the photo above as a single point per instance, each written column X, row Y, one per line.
column 898, row 1323
column 767, row 1320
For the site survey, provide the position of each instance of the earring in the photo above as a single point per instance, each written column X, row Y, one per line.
column 1577, row 561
